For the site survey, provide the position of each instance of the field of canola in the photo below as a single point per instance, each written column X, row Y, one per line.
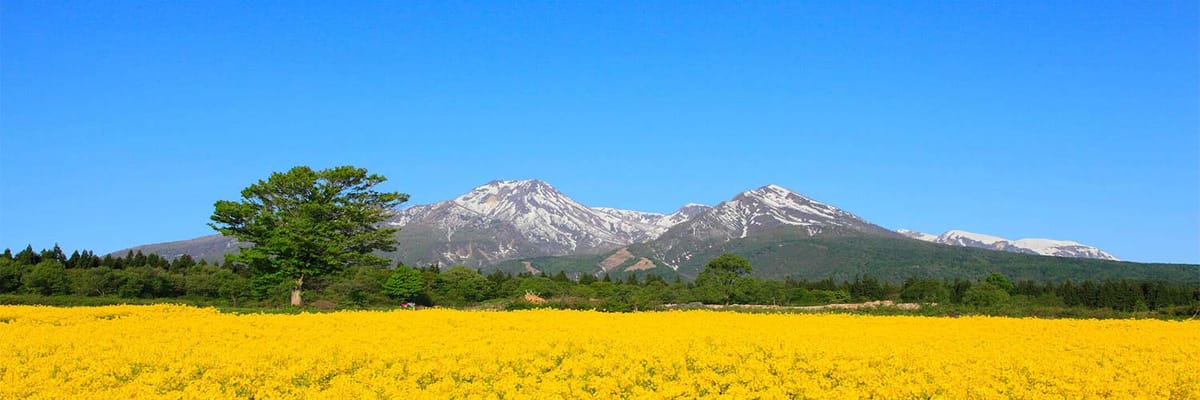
column 184, row 352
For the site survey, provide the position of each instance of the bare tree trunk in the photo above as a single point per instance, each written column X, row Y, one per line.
column 296, row 291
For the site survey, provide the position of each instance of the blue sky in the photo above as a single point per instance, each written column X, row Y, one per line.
column 122, row 122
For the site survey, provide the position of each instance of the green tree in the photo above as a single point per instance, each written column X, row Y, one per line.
column 231, row 285
column 305, row 223
column 48, row 277
column 404, row 283
column 92, row 281
column 360, row 286
column 1000, row 281
column 27, row 256
column 10, row 275
column 721, row 275
column 984, row 294
column 925, row 291
column 460, row 284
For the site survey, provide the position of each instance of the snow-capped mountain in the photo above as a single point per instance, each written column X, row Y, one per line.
column 507, row 220
column 1045, row 247
column 527, row 218
column 770, row 208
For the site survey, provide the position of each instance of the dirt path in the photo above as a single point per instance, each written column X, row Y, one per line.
column 842, row 306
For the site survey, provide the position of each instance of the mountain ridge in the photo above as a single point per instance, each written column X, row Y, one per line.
column 505, row 220
column 1044, row 247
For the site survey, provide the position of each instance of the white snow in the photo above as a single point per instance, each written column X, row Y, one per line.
column 1046, row 247
column 1063, row 248
column 918, row 235
column 764, row 208
column 957, row 236
column 541, row 214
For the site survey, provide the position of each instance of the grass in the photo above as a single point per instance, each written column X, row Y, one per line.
column 944, row 310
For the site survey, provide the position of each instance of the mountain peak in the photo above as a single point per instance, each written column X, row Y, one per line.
column 504, row 219
column 503, row 194
column 779, row 198
column 515, row 185
column 772, row 207
column 769, row 189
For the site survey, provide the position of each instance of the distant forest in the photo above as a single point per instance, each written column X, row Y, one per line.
column 50, row 276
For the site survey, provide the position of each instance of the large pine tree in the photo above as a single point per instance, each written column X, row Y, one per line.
column 304, row 223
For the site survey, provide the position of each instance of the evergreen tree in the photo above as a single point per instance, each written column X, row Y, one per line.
column 27, row 256
column 182, row 263
column 73, row 260
column 306, row 223
column 561, row 276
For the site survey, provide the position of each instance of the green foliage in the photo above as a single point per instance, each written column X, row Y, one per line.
column 721, row 275
column 230, row 285
column 925, row 291
column 360, row 286
column 460, row 285
column 27, row 257
column 98, row 281
column 1000, row 281
column 789, row 254
column 48, row 277
column 10, row 275
column 306, row 223
column 541, row 286
column 404, row 283
column 148, row 278
column 984, row 294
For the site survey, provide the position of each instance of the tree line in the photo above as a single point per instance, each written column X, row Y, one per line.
column 726, row 280
column 321, row 231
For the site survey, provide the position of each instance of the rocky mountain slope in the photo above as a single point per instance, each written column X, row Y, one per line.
column 509, row 219
column 751, row 213
column 1045, row 247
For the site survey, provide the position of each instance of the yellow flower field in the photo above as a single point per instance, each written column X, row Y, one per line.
column 182, row 352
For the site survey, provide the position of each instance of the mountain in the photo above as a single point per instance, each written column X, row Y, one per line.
column 529, row 226
column 751, row 213
column 703, row 232
column 494, row 222
column 211, row 248
column 787, row 235
column 512, row 219
column 1045, row 247
column 792, row 253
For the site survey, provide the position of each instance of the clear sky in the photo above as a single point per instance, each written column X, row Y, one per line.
column 122, row 122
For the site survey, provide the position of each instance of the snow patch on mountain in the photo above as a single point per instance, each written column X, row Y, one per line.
column 766, row 209
column 1045, row 247
column 964, row 238
column 513, row 218
column 770, row 207
column 917, row 235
